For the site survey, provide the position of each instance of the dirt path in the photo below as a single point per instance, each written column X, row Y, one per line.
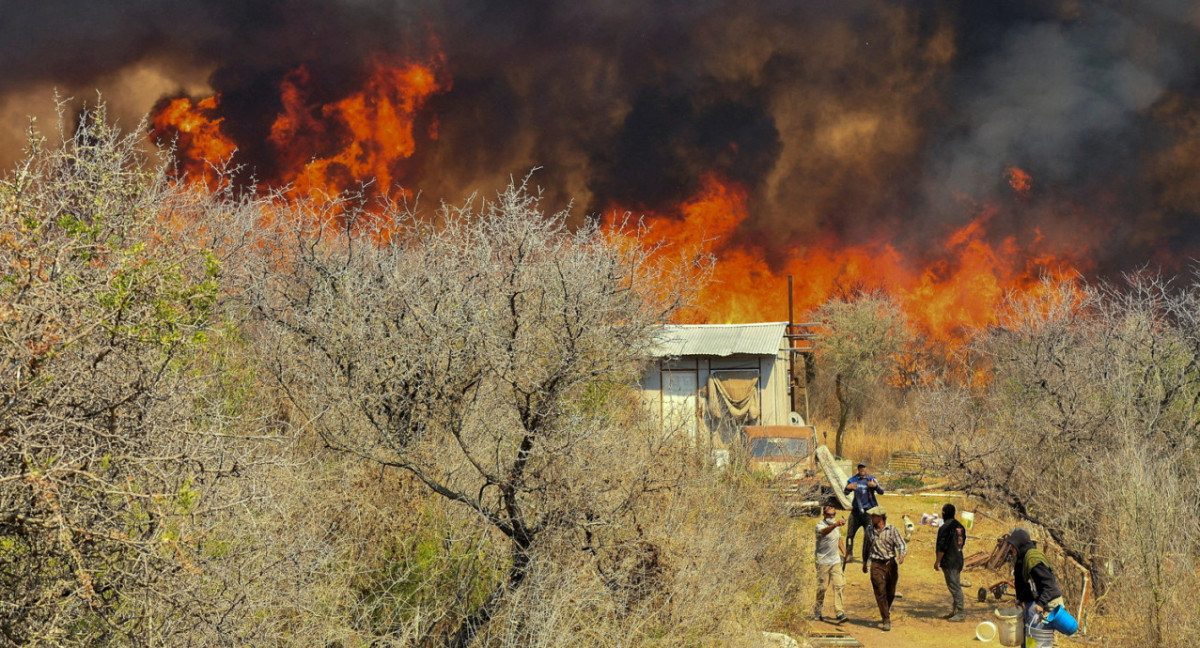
column 916, row 616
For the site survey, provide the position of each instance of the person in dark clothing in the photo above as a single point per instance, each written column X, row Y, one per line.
column 1036, row 586
column 864, row 488
column 949, row 559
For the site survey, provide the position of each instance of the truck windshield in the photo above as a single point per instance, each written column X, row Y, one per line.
column 778, row 447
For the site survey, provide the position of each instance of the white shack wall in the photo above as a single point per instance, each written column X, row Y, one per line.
column 772, row 384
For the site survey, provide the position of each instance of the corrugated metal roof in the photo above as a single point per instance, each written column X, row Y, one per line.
column 720, row 339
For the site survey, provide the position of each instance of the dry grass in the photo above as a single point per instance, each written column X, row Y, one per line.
column 712, row 562
column 872, row 446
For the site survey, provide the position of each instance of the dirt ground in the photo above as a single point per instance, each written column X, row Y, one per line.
column 922, row 595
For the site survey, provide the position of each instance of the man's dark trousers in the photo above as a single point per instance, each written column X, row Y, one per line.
column 884, row 576
column 858, row 520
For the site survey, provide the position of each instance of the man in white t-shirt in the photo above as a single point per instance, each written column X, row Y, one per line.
column 831, row 551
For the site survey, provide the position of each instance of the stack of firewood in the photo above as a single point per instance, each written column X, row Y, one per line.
column 994, row 560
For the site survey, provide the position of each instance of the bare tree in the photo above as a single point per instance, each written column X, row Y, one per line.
column 864, row 339
column 480, row 351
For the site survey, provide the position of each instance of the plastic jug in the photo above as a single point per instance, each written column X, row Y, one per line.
column 1060, row 620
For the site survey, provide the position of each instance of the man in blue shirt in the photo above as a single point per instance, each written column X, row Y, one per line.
column 864, row 488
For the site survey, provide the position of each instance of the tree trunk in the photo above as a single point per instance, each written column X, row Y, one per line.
column 522, row 540
column 474, row 622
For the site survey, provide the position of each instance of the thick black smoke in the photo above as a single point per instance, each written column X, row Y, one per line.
column 857, row 119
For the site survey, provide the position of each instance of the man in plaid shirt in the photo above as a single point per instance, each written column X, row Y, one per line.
column 885, row 550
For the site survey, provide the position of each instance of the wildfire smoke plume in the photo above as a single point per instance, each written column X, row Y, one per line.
column 944, row 152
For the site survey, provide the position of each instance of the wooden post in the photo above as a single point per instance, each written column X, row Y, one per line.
column 791, row 342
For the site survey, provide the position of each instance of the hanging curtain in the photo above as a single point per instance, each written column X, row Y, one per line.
column 733, row 397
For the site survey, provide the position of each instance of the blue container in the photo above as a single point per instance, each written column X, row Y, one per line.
column 1061, row 620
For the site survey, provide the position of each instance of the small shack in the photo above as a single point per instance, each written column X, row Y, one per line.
column 711, row 380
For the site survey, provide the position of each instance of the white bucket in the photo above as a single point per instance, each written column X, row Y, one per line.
column 968, row 519
column 986, row 631
column 1008, row 623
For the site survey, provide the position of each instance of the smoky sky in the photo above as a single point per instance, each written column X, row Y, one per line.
column 853, row 120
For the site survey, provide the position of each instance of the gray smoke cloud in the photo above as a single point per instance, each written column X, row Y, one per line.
column 1040, row 103
column 1071, row 100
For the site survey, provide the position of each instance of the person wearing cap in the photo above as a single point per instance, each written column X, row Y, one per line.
column 885, row 550
column 1036, row 586
column 949, row 559
column 864, row 488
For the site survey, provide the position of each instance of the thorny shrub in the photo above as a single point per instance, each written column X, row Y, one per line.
column 1089, row 427
column 179, row 467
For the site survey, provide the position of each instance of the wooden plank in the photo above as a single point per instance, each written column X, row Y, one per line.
column 834, row 475
column 831, row 638
column 976, row 559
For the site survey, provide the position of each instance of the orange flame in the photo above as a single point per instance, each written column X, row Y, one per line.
column 321, row 150
column 196, row 133
column 1020, row 181
column 372, row 131
column 957, row 287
